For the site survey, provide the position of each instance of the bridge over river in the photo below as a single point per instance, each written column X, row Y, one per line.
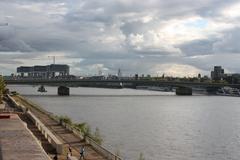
column 182, row 87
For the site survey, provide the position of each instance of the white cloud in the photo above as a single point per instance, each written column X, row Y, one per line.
column 147, row 19
column 49, row 8
column 176, row 70
column 150, row 42
column 136, row 39
column 141, row 35
column 232, row 11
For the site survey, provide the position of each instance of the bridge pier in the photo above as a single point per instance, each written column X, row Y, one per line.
column 63, row 91
column 184, row 91
column 212, row 90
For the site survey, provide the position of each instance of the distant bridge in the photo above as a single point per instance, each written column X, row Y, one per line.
column 118, row 83
column 126, row 83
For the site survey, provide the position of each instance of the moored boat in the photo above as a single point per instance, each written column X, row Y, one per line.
column 228, row 91
column 42, row 89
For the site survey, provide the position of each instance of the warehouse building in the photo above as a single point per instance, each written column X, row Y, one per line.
column 49, row 71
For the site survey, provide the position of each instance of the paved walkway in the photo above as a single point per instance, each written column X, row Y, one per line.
column 17, row 142
column 63, row 134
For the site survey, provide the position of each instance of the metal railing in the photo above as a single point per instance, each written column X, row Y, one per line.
column 107, row 154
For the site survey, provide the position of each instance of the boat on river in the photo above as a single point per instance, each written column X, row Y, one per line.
column 228, row 91
column 42, row 89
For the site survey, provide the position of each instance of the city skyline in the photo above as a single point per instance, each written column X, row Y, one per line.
column 178, row 38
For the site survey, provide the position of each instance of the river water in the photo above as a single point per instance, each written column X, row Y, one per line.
column 160, row 125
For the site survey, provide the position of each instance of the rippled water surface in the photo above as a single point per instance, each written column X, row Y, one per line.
column 160, row 125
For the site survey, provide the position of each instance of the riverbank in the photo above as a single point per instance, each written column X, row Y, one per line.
column 65, row 133
column 160, row 126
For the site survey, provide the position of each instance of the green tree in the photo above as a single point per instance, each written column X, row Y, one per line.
column 2, row 88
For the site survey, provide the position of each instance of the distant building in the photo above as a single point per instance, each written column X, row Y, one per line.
column 136, row 77
column 232, row 78
column 199, row 76
column 119, row 74
column 217, row 73
column 97, row 78
column 49, row 71
column 112, row 77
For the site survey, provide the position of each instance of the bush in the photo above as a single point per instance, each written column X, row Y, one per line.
column 84, row 128
column 65, row 119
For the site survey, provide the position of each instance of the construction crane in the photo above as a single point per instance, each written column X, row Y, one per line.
column 54, row 58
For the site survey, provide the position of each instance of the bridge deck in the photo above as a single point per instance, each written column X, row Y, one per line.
column 63, row 134
column 125, row 83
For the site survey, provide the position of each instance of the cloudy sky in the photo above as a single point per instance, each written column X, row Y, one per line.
column 175, row 37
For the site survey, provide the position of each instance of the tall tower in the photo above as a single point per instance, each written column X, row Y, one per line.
column 119, row 73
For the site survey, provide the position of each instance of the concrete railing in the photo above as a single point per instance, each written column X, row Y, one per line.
column 22, row 108
column 34, row 105
column 52, row 139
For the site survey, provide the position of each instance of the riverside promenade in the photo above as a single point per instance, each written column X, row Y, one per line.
column 65, row 136
column 17, row 142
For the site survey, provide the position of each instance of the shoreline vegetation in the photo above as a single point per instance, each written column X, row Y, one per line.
column 83, row 128
column 2, row 89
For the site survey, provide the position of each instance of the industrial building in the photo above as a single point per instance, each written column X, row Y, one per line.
column 49, row 71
